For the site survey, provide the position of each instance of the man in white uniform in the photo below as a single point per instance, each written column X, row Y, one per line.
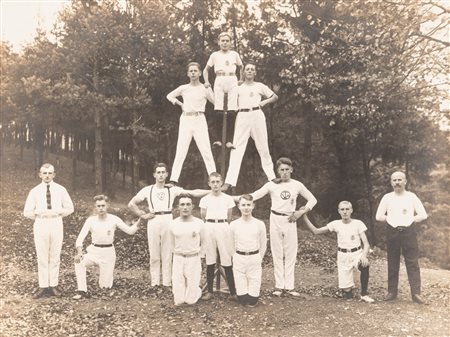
column 192, row 121
column 250, row 122
column 249, row 238
column 101, row 252
column 159, row 198
column 224, row 62
column 351, row 234
column 188, row 240
column 283, row 226
column 47, row 204
column 216, row 209
column 402, row 209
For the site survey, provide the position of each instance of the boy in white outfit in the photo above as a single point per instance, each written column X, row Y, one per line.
column 101, row 252
column 351, row 233
column 224, row 62
column 192, row 121
column 249, row 237
column 188, row 239
column 216, row 209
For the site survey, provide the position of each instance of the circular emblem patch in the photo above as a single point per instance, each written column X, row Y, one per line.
column 352, row 237
column 405, row 211
column 252, row 94
column 160, row 195
column 194, row 234
column 227, row 63
column 285, row 195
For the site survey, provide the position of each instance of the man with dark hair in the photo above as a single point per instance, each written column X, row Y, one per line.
column 101, row 252
column 401, row 209
column 47, row 204
column 283, row 226
column 160, row 199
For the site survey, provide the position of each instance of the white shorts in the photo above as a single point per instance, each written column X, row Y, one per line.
column 346, row 263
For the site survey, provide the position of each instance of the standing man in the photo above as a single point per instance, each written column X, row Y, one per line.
column 159, row 198
column 249, row 238
column 283, row 226
column 401, row 209
column 188, row 239
column 101, row 252
column 251, row 122
column 47, row 204
column 216, row 210
column 192, row 121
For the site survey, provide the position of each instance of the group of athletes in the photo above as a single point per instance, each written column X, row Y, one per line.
column 176, row 246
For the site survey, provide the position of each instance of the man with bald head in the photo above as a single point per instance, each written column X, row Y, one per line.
column 401, row 209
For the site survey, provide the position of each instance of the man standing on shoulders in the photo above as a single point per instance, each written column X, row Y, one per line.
column 251, row 122
column 47, row 204
column 283, row 223
column 401, row 209
column 188, row 239
column 160, row 198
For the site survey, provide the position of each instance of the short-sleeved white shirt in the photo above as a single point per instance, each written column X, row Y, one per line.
column 194, row 97
column 347, row 233
column 217, row 206
column 186, row 235
column 249, row 96
column 400, row 209
column 224, row 61
column 159, row 199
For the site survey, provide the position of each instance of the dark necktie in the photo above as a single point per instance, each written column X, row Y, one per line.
column 49, row 197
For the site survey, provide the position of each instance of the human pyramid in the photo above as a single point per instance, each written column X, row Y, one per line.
column 177, row 245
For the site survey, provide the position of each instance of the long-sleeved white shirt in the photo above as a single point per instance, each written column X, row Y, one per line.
column 249, row 235
column 400, row 209
column 36, row 203
column 284, row 195
column 188, row 237
column 102, row 230
column 194, row 97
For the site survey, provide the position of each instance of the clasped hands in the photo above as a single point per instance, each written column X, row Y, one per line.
column 297, row 214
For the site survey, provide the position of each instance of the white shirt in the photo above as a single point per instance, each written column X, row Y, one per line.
column 159, row 199
column 284, row 195
column 187, row 237
column 250, row 95
column 249, row 236
column 224, row 61
column 194, row 97
column 347, row 233
column 102, row 231
column 36, row 203
column 217, row 206
column 401, row 208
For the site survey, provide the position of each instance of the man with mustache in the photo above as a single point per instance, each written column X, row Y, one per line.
column 401, row 209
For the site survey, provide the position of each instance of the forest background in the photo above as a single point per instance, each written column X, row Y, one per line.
column 360, row 86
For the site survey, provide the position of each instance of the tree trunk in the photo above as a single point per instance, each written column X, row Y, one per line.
column 98, row 151
column 307, row 152
column 75, row 151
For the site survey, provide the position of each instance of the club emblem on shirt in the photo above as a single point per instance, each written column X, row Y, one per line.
column 160, row 195
column 194, row 234
column 252, row 94
column 285, row 195
column 352, row 237
column 405, row 211
column 108, row 233
column 227, row 63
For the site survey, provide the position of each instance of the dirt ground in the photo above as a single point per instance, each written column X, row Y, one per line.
column 131, row 308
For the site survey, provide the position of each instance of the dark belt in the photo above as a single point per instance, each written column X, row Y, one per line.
column 251, row 109
column 247, row 253
column 349, row 250
column 278, row 213
column 216, row 220
column 99, row 245
column 400, row 228
column 163, row 213
column 222, row 73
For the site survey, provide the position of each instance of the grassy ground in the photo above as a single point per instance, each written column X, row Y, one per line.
column 132, row 309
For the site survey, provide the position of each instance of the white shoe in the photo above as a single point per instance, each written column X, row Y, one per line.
column 277, row 293
column 294, row 293
column 367, row 299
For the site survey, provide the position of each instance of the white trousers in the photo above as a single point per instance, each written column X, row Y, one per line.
column 283, row 245
column 160, row 249
column 186, row 275
column 218, row 237
column 247, row 273
column 104, row 258
column 346, row 263
column 48, row 239
column 222, row 85
column 249, row 124
column 197, row 128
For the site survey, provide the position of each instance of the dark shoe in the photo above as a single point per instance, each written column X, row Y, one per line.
column 347, row 295
column 80, row 295
column 40, row 293
column 276, row 180
column 418, row 299
column 390, row 297
column 54, row 291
